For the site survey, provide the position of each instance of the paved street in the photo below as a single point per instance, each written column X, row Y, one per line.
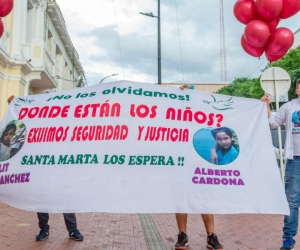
column 137, row 231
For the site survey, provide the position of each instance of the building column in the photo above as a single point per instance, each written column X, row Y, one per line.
column 26, row 90
column 18, row 32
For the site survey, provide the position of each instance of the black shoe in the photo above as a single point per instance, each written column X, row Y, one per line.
column 182, row 242
column 75, row 234
column 287, row 244
column 43, row 235
column 213, row 243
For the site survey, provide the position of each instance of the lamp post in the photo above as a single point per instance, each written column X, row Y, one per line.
column 158, row 40
column 107, row 77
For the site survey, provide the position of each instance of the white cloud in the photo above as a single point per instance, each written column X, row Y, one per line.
column 93, row 30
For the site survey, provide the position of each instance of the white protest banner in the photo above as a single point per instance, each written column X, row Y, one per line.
column 128, row 147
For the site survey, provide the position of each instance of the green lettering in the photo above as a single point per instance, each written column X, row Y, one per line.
column 121, row 159
column 161, row 160
column 159, row 94
column 170, row 161
column 71, row 160
column 105, row 159
column 62, row 159
column 87, row 158
column 30, row 161
column 24, row 160
column 52, row 160
column 146, row 159
column 131, row 160
column 46, row 157
column 38, row 159
column 153, row 160
column 148, row 93
column 139, row 160
column 94, row 159
column 58, row 97
column 79, row 159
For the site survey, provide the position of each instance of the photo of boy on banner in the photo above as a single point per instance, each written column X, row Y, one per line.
column 217, row 145
column 226, row 149
column 12, row 139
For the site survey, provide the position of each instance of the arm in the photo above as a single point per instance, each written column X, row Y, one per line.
column 184, row 87
column 279, row 118
column 213, row 154
column 10, row 99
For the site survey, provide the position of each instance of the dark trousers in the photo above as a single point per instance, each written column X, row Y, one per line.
column 70, row 220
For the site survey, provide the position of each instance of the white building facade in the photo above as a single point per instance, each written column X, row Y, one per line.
column 297, row 39
column 36, row 52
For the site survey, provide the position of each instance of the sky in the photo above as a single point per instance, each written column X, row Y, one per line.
column 111, row 37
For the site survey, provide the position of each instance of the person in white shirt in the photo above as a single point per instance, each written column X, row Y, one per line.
column 292, row 152
column 70, row 218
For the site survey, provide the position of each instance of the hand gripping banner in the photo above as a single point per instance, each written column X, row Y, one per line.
column 128, row 147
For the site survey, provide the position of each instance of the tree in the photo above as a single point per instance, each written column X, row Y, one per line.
column 239, row 87
column 246, row 87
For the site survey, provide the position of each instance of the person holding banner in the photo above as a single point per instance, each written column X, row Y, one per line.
column 208, row 219
column 212, row 239
column 292, row 152
column 70, row 218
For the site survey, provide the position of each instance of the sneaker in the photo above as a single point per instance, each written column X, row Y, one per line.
column 182, row 242
column 75, row 234
column 42, row 235
column 287, row 244
column 213, row 243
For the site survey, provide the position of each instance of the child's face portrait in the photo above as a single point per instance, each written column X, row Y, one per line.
column 223, row 139
column 8, row 136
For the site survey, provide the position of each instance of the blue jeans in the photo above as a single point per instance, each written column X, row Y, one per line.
column 292, row 191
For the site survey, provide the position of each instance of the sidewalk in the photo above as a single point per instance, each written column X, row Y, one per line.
column 133, row 231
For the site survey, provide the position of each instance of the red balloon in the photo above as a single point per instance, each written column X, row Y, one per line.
column 251, row 50
column 273, row 25
column 289, row 8
column 257, row 33
column 245, row 11
column 272, row 58
column 281, row 40
column 269, row 9
column 1, row 28
column 5, row 7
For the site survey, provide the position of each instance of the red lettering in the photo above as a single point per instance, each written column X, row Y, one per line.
column 142, row 111
column 54, row 111
column 23, row 113
column 78, row 111
column 64, row 112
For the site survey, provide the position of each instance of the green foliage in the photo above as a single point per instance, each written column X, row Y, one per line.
column 256, row 91
column 289, row 62
column 239, row 87
column 250, row 87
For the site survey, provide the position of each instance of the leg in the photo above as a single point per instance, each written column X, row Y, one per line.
column 182, row 242
column 71, row 224
column 44, row 226
column 292, row 191
column 181, row 222
column 43, row 221
column 209, row 223
column 70, row 221
column 212, row 239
